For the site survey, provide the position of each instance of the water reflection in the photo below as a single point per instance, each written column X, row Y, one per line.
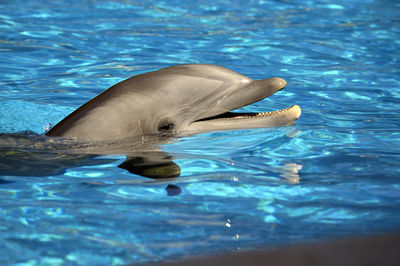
column 290, row 172
column 156, row 165
column 33, row 155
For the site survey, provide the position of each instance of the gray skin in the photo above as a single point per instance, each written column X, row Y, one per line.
column 175, row 101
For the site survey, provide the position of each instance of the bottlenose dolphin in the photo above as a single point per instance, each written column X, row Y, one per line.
column 136, row 116
column 175, row 101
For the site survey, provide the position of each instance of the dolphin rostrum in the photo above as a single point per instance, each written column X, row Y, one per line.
column 175, row 101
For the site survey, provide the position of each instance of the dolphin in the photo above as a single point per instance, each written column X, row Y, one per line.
column 137, row 115
column 175, row 101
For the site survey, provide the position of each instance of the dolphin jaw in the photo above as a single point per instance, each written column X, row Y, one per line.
column 237, row 115
column 227, row 120
column 235, row 121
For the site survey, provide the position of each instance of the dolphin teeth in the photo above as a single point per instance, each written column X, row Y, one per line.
column 233, row 115
column 256, row 115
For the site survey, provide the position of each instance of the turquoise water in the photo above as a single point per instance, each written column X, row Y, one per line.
column 335, row 173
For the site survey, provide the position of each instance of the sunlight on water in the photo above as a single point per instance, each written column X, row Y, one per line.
column 334, row 173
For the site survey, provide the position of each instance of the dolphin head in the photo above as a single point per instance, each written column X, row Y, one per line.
column 179, row 100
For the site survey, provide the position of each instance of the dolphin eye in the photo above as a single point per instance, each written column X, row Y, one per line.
column 165, row 126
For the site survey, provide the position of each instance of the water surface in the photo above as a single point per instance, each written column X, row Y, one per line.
column 334, row 173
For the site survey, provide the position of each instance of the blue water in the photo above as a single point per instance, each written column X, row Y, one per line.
column 335, row 173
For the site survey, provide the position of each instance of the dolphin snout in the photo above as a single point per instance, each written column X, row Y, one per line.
column 278, row 83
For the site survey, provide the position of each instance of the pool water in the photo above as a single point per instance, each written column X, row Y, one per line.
column 335, row 173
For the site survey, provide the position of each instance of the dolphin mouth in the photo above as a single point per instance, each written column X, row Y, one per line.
column 238, row 115
column 237, row 121
column 256, row 91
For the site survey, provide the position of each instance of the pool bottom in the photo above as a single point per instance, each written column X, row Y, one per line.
column 368, row 250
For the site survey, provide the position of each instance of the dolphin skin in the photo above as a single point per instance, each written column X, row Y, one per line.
column 175, row 101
